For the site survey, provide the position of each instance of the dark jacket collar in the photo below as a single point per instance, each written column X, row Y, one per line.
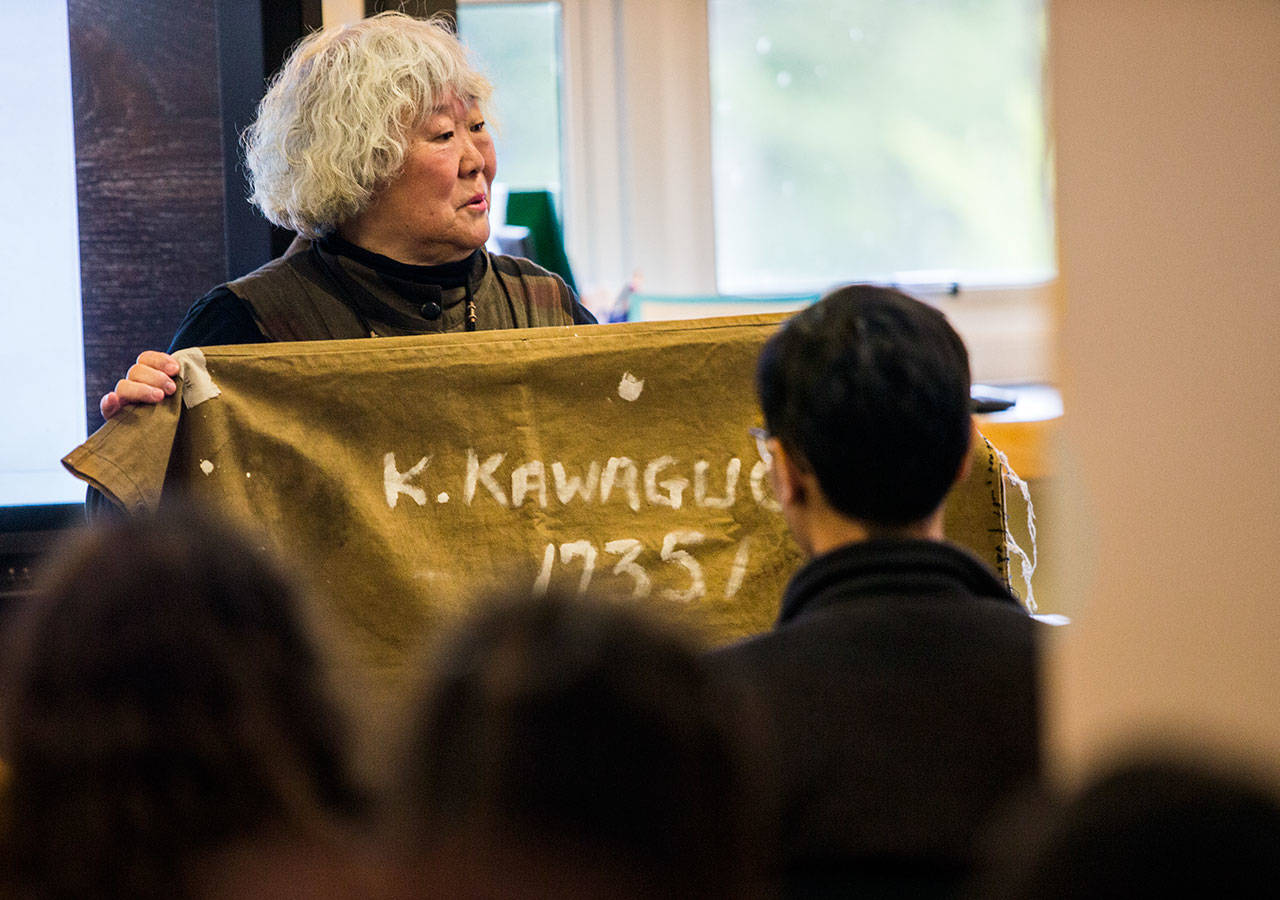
column 888, row 567
column 404, row 298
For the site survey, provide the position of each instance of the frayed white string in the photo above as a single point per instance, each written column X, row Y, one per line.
column 1028, row 562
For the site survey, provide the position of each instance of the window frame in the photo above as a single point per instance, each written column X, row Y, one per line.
column 638, row 196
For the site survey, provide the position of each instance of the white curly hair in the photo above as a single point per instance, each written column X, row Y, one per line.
column 335, row 123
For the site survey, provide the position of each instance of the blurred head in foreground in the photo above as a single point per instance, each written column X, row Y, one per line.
column 577, row 747
column 164, row 702
column 1150, row 828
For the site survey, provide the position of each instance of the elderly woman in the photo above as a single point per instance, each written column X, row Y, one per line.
column 371, row 144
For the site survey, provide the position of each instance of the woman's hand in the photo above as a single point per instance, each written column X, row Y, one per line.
column 149, row 380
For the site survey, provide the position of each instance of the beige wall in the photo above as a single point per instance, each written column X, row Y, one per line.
column 340, row 12
column 1166, row 118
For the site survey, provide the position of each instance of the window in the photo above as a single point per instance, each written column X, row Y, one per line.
column 782, row 146
column 518, row 46
column 898, row 142
column 669, row 105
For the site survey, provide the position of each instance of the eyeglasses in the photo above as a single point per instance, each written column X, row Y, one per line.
column 762, row 435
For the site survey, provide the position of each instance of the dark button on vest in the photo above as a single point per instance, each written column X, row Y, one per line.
column 431, row 310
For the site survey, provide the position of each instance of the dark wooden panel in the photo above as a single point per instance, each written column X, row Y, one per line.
column 149, row 174
column 243, row 80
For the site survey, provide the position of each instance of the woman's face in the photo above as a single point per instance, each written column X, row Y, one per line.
column 437, row 209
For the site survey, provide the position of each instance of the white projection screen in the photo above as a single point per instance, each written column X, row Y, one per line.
column 41, row 351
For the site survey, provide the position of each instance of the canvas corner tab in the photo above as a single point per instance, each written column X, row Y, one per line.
column 198, row 385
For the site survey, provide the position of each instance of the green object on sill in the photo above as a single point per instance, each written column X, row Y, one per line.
column 536, row 210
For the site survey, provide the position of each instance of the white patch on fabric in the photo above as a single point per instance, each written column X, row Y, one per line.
column 206, row 466
column 197, row 385
column 630, row 387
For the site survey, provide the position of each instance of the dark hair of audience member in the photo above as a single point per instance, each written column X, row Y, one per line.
column 165, row 700
column 1145, row 829
column 581, row 748
column 870, row 388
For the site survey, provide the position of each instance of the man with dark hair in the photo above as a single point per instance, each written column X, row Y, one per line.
column 900, row 676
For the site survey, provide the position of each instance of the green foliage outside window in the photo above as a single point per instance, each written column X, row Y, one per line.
column 879, row 139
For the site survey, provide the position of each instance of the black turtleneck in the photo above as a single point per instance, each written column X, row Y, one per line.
column 447, row 275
